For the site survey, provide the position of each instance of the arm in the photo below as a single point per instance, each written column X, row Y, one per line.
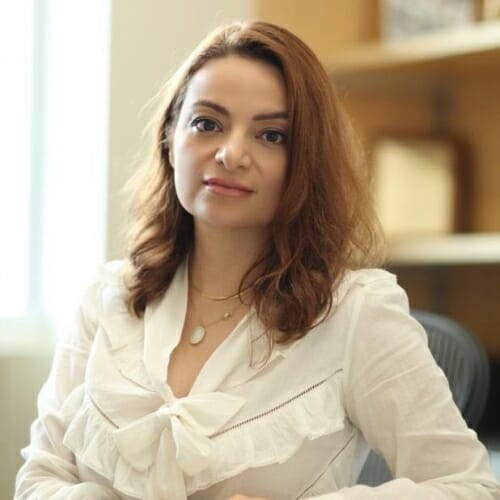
column 49, row 470
column 400, row 400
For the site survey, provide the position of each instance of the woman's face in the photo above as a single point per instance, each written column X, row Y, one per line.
column 228, row 148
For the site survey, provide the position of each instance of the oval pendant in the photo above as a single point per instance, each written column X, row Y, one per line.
column 197, row 335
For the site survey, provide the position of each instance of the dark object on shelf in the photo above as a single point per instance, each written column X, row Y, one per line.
column 403, row 18
column 464, row 362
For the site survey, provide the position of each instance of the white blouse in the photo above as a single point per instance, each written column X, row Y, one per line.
column 296, row 426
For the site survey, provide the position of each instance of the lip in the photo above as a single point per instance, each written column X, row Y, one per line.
column 227, row 188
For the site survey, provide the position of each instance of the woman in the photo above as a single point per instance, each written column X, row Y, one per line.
column 244, row 347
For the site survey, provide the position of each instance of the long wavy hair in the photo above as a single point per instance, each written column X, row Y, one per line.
column 324, row 223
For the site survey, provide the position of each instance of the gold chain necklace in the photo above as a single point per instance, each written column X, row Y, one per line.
column 199, row 332
column 222, row 297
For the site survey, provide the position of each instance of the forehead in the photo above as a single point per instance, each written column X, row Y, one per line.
column 239, row 81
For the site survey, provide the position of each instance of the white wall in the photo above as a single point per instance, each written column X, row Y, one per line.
column 21, row 377
column 149, row 39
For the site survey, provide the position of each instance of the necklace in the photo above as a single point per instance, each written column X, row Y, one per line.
column 222, row 297
column 199, row 332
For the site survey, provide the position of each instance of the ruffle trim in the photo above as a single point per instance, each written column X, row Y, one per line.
column 89, row 435
column 274, row 436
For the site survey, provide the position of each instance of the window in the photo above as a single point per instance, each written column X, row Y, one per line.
column 16, row 60
column 55, row 64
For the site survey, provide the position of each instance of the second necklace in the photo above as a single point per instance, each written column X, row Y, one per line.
column 199, row 332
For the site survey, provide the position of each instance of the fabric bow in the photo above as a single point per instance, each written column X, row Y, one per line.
column 174, row 439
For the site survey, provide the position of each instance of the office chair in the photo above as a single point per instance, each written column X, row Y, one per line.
column 464, row 362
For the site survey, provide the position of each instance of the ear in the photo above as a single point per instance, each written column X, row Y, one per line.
column 171, row 156
column 169, row 145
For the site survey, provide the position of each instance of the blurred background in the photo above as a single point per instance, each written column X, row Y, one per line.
column 421, row 81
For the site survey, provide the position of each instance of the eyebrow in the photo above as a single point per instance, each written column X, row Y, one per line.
column 222, row 110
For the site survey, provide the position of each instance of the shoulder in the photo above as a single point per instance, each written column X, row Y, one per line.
column 377, row 312
column 368, row 306
column 379, row 300
column 369, row 286
column 112, row 273
column 360, row 297
column 106, row 288
column 381, row 327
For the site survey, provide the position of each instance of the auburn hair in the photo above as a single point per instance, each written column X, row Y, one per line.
column 324, row 223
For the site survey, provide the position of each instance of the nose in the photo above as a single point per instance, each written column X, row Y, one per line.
column 233, row 153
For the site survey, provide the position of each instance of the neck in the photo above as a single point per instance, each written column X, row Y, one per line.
column 221, row 257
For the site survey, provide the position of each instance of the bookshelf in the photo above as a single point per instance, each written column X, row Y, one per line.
column 456, row 249
column 451, row 52
column 395, row 86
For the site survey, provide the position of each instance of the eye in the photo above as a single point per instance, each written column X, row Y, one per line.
column 274, row 136
column 205, row 124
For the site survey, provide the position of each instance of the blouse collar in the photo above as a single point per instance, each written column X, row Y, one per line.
column 237, row 359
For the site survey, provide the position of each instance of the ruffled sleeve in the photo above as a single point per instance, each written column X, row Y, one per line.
column 50, row 470
column 400, row 400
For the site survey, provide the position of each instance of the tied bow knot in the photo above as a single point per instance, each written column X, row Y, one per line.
column 165, row 413
column 174, row 438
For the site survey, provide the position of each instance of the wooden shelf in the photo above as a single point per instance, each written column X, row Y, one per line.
column 459, row 249
column 457, row 50
column 417, row 63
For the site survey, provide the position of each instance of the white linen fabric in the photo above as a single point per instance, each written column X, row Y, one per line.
column 293, row 426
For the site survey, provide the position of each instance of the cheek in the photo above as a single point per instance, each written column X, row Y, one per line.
column 185, row 180
column 188, row 172
column 186, row 161
column 190, row 153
